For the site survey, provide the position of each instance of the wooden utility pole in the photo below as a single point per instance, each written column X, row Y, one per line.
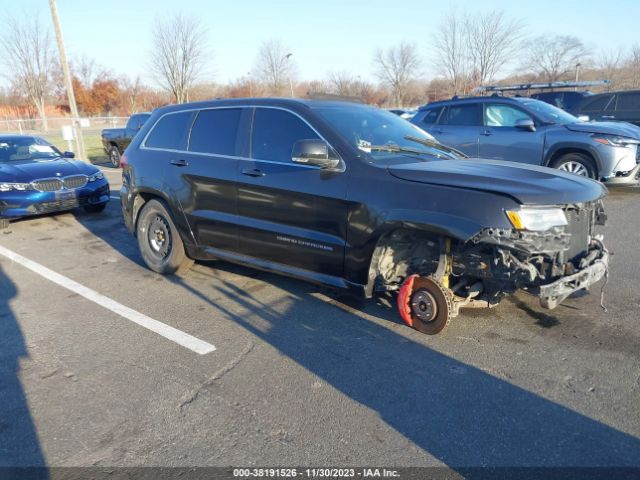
column 67, row 81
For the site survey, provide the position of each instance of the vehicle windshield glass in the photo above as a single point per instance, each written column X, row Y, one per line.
column 20, row 149
column 367, row 127
column 549, row 113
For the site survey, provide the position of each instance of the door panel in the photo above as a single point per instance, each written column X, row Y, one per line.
column 203, row 178
column 290, row 213
column 501, row 140
column 459, row 126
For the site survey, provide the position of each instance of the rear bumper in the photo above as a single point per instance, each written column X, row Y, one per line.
column 552, row 294
column 27, row 203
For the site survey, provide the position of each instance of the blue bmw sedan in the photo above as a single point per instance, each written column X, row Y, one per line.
column 36, row 178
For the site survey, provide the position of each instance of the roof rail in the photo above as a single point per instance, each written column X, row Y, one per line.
column 539, row 86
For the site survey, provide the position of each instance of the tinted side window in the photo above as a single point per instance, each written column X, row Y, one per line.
column 499, row 115
column 463, row 115
column 596, row 104
column 432, row 116
column 275, row 132
column 170, row 131
column 628, row 102
column 215, row 131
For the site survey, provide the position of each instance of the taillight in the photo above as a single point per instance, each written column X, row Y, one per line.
column 123, row 160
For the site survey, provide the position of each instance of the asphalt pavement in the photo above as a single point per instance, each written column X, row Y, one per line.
column 105, row 363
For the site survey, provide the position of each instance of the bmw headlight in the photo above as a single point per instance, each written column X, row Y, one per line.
column 95, row 176
column 7, row 187
column 537, row 219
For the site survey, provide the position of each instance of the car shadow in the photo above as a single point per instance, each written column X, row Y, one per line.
column 461, row 415
column 19, row 445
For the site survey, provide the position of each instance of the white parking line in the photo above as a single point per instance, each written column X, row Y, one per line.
column 181, row 338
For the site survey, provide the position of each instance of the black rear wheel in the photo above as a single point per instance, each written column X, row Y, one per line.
column 159, row 241
column 114, row 156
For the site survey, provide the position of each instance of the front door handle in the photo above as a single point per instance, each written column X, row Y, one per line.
column 608, row 117
column 253, row 172
column 180, row 163
column 487, row 133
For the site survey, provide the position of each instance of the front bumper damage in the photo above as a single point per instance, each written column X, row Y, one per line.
column 554, row 293
column 551, row 265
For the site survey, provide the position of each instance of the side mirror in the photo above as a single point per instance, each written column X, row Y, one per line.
column 526, row 124
column 314, row 152
column 69, row 155
column 583, row 118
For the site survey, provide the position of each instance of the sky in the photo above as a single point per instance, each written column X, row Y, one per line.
column 322, row 35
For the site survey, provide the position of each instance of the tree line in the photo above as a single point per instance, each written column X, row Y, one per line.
column 467, row 49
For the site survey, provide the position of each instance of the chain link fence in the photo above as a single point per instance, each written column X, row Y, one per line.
column 53, row 126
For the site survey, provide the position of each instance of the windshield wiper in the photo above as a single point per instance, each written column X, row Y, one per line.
column 395, row 148
column 436, row 145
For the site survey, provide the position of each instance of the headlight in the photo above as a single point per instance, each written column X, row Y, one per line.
column 95, row 176
column 7, row 187
column 615, row 140
column 537, row 219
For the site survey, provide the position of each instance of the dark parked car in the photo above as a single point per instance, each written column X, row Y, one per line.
column 354, row 197
column 611, row 106
column 565, row 100
column 116, row 140
column 36, row 178
column 530, row 131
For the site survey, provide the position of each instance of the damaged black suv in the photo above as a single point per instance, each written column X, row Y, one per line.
column 355, row 197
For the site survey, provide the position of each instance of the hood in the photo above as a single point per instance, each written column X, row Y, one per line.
column 608, row 128
column 29, row 170
column 529, row 185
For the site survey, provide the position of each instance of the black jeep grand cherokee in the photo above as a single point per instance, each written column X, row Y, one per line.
column 357, row 198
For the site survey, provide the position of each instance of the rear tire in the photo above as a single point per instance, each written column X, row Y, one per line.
column 576, row 163
column 159, row 241
column 95, row 208
column 114, row 156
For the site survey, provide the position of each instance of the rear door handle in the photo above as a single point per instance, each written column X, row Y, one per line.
column 180, row 163
column 487, row 133
column 253, row 172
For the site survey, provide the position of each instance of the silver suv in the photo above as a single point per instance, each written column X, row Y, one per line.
column 530, row 131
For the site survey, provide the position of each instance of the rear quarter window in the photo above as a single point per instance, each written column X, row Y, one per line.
column 628, row 102
column 170, row 131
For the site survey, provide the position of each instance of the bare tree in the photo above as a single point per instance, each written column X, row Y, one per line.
column 179, row 54
column 396, row 67
column 275, row 67
column 450, row 44
column 492, row 40
column 29, row 60
column 633, row 66
column 343, row 83
column 609, row 63
column 553, row 57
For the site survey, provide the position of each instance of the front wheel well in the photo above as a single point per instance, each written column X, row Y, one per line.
column 404, row 252
column 558, row 154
